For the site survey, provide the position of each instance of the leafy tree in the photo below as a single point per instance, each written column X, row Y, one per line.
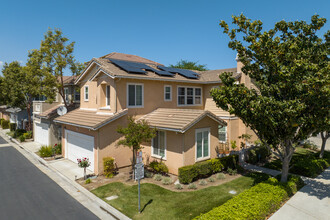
column 57, row 53
column 190, row 65
column 290, row 67
column 134, row 134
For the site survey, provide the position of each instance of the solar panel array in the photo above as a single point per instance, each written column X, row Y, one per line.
column 141, row 68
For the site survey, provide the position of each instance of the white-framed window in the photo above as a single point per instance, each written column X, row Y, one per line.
column 86, row 93
column 158, row 145
column 66, row 94
column 189, row 96
column 107, row 95
column 134, row 95
column 168, row 93
column 222, row 133
column 202, row 143
column 76, row 94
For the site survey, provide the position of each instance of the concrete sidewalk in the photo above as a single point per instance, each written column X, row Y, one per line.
column 311, row 202
column 258, row 169
column 64, row 173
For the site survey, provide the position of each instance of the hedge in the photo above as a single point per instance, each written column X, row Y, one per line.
column 257, row 154
column 257, row 202
column 188, row 174
column 158, row 167
column 5, row 124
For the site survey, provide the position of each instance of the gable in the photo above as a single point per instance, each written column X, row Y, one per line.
column 88, row 72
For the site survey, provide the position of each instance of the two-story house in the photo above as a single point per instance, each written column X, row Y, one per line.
column 45, row 131
column 174, row 101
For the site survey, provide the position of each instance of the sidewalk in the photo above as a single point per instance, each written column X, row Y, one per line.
column 64, row 173
column 258, row 169
column 310, row 202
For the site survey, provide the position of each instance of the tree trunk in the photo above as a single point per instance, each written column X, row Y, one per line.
column 324, row 136
column 133, row 163
column 285, row 169
column 28, row 109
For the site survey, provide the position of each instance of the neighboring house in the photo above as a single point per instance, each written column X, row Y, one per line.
column 176, row 102
column 46, row 132
column 3, row 114
column 18, row 116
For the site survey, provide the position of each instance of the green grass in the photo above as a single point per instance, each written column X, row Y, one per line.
column 159, row 203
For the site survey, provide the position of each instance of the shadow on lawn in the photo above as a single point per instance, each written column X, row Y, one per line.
column 148, row 203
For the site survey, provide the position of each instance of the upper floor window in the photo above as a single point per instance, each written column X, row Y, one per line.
column 66, row 94
column 86, row 93
column 159, row 144
column 189, row 96
column 135, row 95
column 222, row 132
column 107, row 95
column 168, row 93
column 76, row 95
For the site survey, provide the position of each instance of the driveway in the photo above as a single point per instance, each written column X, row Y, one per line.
column 318, row 141
column 27, row 193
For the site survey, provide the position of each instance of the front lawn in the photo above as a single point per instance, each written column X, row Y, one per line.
column 160, row 203
column 304, row 162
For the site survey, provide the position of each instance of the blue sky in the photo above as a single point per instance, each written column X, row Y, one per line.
column 163, row 31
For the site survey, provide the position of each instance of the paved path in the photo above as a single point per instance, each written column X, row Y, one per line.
column 27, row 193
column 258, row 169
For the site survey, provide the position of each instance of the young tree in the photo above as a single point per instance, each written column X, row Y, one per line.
column 290, row 66
column 190, row 65
column 58, row 55
column 134, row 134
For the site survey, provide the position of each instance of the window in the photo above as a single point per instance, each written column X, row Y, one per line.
column 66, row 94
column 86, row 94
column 76, row 94
column 135, row 95
column 107, row 95
column 189, row 96
column 222, row 133
column 202, row 143
column 159, row 144
column 168, row 93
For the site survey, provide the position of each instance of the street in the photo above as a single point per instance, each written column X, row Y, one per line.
column 27, row 193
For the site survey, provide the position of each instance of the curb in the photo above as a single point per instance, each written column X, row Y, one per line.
column 103, row 205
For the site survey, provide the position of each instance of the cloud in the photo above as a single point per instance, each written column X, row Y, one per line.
column 1, row 63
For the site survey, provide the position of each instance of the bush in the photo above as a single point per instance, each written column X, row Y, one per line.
column 46, row 151
column 88, row 181
column 192, row 186
column 231, row 171
column 57, row 149
column 109, row 167
column 158, row 167
column 21, row 138
column 202, row 183
column 309, row 167
column 27, row 135
column 158, row 177
column 148, row 174
column 1, row 119
column 11, row 133
column 178, row 186
column 220, row 176
column 255, row 203
column 258, row 154
column 5, row 124
column 167, row 181
column 12, row 126
column 211, row 180
column 19, row 132
column 188, row 174
column 309, row 145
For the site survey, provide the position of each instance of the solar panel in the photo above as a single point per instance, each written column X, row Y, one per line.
column 183, row 72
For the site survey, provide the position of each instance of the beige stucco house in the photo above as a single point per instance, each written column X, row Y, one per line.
column 176, row 102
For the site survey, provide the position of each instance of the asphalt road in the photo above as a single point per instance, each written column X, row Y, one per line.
column 27, row 193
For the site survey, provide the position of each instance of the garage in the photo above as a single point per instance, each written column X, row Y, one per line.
column 78, row 146
column 41, row 133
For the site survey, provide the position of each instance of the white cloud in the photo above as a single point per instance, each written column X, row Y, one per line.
column 1, row 63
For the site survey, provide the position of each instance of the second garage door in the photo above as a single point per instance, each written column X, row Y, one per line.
column 41, row 133
column 78, row 146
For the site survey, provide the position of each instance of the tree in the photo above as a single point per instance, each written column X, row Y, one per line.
column 58, row 55
column 134, row 134
column 190, row 65
column 290, row 67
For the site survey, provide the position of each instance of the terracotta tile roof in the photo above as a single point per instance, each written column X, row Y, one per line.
column 52, row 112
column 69, row 80
column 179, row 120
column 89, row 119
column 213, row 75
column 129, row 57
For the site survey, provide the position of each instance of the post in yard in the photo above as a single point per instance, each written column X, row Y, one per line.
column 139, row 197
column 139, row 174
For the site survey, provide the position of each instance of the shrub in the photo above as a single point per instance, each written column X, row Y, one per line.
column 57, row 149
column 192, row 186
column 12, row 126
column 109, row 166
column 1, row 119
column 88, row 181
column 148, row 174
column 220, row 176
column 309, row 145
column 46, row 151
column 158, row 167
column 231, row 171
column 233, row 145
column 27, row 135
column 178, row 186
column 19, row 132
column 5, row 124
column 11, row 133
column 167, row 181
column 21, row 138
column 258, row 154
column 187, row 174
column 230, row 161
column 158, row 177
column 202, row 183
column 211, row 179
column 309, row 167
column 255, row 203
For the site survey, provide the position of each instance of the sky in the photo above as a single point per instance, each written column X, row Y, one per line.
column 163, row 31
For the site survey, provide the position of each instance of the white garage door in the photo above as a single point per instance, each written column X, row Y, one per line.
column 78, row 146
column 41, row 133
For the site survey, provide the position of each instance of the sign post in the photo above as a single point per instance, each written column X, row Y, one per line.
column 139, row 174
